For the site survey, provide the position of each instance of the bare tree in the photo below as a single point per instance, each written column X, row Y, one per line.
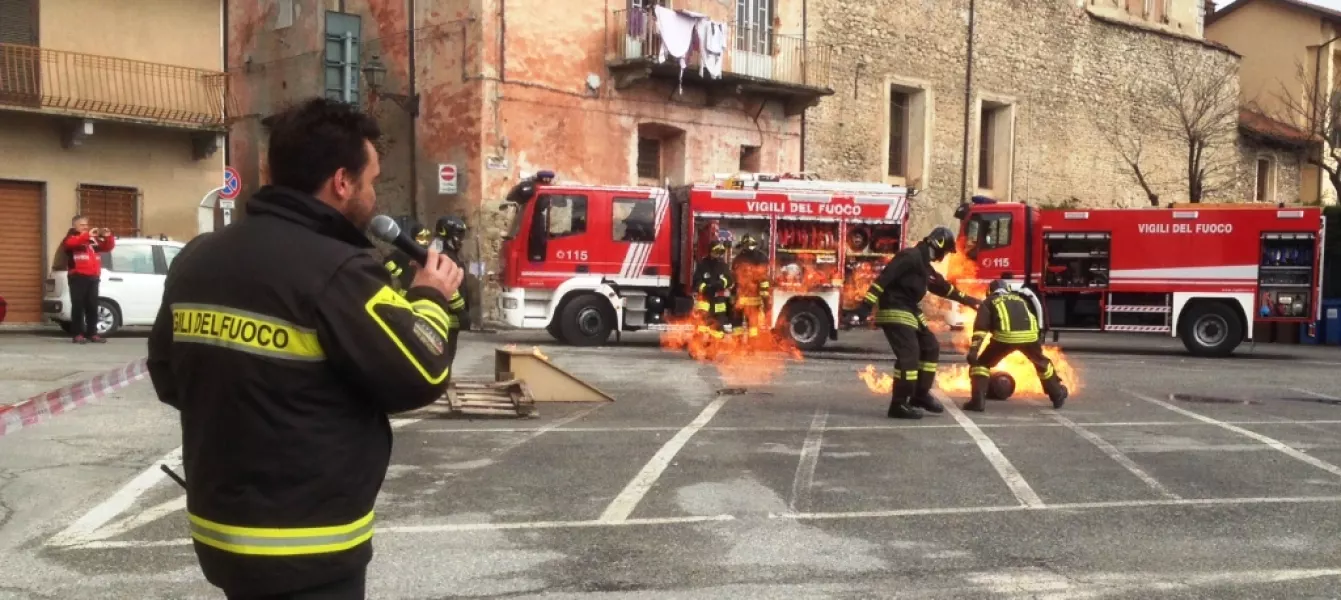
column 1197, row 101
column 1129, row 141
column 1317, row 115
column 1187, row 99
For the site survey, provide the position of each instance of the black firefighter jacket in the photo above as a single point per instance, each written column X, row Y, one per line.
column 284, row 347
column 904, row 282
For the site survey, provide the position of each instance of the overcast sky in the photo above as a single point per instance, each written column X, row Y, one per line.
column 1336, row 4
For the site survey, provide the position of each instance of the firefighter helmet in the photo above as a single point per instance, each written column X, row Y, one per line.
column 998, row 286
column 722, row 243
column 748, row 242
column 451, row 227
column 941, row 241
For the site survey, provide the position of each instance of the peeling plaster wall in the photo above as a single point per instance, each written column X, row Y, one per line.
column 498, row 105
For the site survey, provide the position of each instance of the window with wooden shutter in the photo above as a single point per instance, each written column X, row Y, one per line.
column 115, row 208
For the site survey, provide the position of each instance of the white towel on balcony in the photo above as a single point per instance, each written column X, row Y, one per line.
column 712, row 34
column 677, row 34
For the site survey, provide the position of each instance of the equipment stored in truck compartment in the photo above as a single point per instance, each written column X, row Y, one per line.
column 1204, row 273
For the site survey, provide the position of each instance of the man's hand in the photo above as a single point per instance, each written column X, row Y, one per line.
column 971, row 302
column 441, row 273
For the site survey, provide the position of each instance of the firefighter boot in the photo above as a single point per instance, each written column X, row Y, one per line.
column 899, row 407
column 1056, row 390
column 978, row 396
column 926, row 378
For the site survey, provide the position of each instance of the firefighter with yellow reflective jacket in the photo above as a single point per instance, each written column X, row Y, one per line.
column 1008, row 318
column 753, row 292
column 284, row 347
column 895, row 296
column 714, row 286
column 402, row 269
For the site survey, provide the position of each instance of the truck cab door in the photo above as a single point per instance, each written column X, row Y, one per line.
column 994, row 241
column 557, row 242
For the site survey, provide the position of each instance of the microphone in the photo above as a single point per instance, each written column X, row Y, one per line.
column 385, row 228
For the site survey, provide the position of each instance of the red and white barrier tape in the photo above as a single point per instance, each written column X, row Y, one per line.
column 42, row 406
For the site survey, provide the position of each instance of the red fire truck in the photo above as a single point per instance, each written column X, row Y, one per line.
column 583, row 260
column 1204, row 273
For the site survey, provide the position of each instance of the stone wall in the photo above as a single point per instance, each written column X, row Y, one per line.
column 1284, row 182
column 1065, row 70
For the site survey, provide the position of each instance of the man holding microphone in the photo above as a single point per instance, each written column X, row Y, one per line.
column 284, row 346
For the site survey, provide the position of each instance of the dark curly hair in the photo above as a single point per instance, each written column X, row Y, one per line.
column 313, row 139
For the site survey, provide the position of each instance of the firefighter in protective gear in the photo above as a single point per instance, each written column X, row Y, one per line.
column 753, row 294
column 714, row 285
column 399, row 263
column 284, row 346
column 449, row 238
column 1009, row 319
column 895, row 296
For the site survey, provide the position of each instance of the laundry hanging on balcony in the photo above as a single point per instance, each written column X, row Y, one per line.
column 713, row 43
column 682, row 32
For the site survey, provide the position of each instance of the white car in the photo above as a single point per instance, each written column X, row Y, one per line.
column 131, row 288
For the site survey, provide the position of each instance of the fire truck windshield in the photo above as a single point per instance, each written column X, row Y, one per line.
column 514, row 227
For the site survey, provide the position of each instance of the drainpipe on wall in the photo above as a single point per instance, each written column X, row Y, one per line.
column 804, row 48
column 968, row 105
column 414, row 116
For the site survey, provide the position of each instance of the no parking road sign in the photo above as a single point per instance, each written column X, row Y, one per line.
column 232, row 184
column 446, row 179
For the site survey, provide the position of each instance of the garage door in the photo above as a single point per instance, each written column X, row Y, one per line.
column 111, row 207
column 21, row 250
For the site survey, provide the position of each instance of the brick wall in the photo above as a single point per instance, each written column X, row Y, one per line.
column 1064, row 69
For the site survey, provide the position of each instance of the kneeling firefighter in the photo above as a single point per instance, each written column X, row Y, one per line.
column 895, row 296
column 750, row 269
column 714, row 286
column 1007, row 316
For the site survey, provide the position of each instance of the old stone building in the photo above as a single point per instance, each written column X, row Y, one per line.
column 498, row 90
column 1029, row 118
column 113, row 110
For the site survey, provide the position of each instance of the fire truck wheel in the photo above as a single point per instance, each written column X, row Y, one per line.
column 806, row 324
column 1211, row 329
column 586, row 321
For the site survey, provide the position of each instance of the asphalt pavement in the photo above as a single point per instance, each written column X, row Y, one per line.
column 1164, row 476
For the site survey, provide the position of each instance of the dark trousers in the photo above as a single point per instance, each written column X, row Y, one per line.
column 353, row 588
column 980, row 369
column 916, row 353
column 83, row 304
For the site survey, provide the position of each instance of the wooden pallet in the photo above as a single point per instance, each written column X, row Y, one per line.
column 509, row 397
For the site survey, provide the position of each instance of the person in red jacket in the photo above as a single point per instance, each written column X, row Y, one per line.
column 81, row 246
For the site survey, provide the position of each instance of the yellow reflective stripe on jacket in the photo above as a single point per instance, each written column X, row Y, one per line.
column 433, row 314
column 388, row 297
column 244, row 331
column 701, row 305
column 394, row 268
column 269, row 541
column 896, row 316
column 750, row 301
column 457, row 302
column 1016, row 337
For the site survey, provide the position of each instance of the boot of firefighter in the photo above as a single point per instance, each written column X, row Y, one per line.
column 926, row 378
column 899, row 405
column 1056, row 391
column 978, row 396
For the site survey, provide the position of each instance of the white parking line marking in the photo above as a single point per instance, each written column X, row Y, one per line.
column 1315, row 394
column 830, row 428
column 1272, row 442
column 1014, row 480
column 870, row 514
column 94, row 524
column 86, row 528
column 622, row 506
column 805, row 468
column 1116, row 455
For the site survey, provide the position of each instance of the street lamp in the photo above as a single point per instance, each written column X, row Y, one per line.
column 375, row 74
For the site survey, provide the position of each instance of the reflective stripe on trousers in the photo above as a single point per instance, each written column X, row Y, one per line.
column 271, row 541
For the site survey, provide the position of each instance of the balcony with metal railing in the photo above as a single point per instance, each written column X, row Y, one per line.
column 754, row 61
column 83, row 85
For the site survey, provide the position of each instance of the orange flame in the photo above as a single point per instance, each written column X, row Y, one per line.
column 963, row 273
column 741, row 359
